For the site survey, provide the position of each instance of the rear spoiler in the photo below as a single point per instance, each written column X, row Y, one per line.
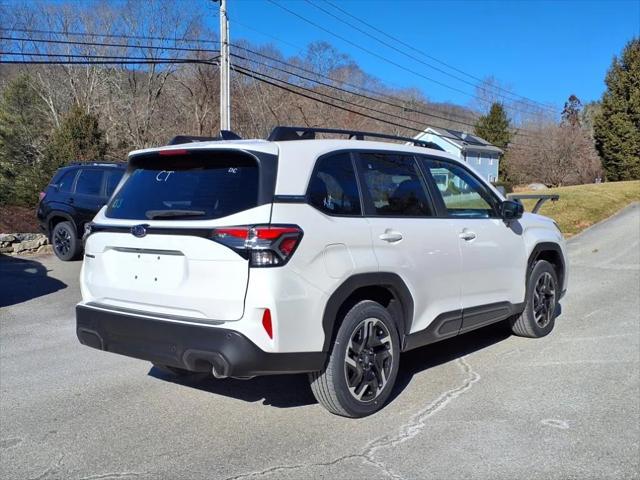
column 542, row 198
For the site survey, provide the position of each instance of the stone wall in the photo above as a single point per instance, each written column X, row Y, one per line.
column 24, row 243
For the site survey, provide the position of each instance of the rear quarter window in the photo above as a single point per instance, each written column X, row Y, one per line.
column 194, row 186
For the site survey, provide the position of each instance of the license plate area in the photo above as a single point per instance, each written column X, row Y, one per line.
column 142, row 269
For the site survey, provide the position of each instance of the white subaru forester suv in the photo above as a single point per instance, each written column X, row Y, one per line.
column 302, row 255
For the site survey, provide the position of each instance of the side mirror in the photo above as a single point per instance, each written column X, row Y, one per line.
column 511, row 210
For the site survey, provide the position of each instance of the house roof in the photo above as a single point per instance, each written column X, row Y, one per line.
column 463, row 140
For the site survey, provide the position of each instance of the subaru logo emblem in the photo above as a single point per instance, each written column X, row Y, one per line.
column 139, row 230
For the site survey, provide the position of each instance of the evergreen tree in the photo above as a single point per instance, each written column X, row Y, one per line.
column 23, row 135
column 79, row 139
column 617, row 126
column 494, row 127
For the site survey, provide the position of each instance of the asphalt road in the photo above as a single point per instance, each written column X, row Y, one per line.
column 484, row 405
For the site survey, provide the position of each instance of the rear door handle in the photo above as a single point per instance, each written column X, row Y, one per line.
column 71, row 200
column 390, row 236
column 467, row 235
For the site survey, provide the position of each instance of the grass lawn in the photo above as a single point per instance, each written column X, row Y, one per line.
column 581, row 206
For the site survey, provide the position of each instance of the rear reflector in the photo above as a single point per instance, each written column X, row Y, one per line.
column 266, row 322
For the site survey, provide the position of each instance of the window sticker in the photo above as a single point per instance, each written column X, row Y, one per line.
column 163, row 175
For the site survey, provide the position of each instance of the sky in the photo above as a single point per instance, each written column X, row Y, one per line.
column 544, row 50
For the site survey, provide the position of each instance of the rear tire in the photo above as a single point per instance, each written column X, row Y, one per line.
column 65, row 241
column 538, row 318
column 363, row 363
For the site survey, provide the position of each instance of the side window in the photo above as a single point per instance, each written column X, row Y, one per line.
column 394, row 185
column 333, row 188
column 89, row 182
column 66, row 182
column 463, row 195
column 113, row 178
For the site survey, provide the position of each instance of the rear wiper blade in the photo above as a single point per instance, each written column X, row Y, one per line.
column 151, row 214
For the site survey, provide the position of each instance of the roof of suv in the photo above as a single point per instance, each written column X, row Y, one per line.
column 95, row 165
column 311, row 148
column 298, row 156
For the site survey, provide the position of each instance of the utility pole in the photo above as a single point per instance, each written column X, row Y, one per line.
column 225, row 94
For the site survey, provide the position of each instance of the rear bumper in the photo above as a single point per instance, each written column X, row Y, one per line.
column 189, row 346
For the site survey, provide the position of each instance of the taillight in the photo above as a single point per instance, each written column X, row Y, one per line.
column 262, row 245
column 42, row 195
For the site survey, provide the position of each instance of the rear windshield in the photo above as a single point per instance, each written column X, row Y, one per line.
column 191, row 186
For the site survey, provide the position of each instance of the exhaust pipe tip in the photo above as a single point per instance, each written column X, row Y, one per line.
column 217, row 373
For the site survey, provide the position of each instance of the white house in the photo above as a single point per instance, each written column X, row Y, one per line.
column 477, row 152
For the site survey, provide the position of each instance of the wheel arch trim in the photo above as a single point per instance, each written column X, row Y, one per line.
column 59, row 213
column 542, row 247
column 390, row 281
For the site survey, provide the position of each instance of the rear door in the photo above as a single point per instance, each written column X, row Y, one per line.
column 410, row 240
column 153, row 249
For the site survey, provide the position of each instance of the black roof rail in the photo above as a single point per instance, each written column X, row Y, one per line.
column 224, row 135
column 98, row 164
column 281, row 134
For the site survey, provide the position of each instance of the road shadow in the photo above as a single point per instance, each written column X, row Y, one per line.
column 286, row 391
column 23, row 279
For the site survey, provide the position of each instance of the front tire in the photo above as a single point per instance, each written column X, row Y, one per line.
column 538, row 318
column 363, row 363
column 66, row 244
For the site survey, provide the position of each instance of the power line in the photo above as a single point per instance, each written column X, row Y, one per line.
column 204, row 50
column 99, row 62
column 411, row 47
column 356, row 87
column 255, row 75
column 343, row 89
column 69, row 55
column 108, row 35
column 271, row 81
column 465, row 123
column 377, row 55
column 156, row 47
column 100, row 44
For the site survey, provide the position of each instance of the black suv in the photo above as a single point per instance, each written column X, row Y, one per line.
column 72, row 199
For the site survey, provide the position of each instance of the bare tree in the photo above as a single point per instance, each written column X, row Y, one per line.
column 557, row 155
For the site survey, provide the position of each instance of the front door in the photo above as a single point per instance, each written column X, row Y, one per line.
column 493, row 252
column 410, row 240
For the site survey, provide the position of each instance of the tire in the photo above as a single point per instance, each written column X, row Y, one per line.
column 180, row 372
column 539, row 315
column 366, row 370
column 65, row 241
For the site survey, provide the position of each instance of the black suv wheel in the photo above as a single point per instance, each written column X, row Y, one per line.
column 66, row 244
column 363, row 363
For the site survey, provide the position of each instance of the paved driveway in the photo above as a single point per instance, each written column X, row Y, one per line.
column 484, row 405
